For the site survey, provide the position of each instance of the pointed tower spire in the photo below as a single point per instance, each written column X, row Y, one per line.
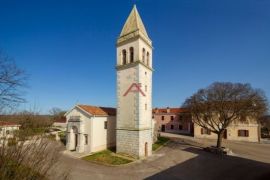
column 133, row 27
column 133, row 23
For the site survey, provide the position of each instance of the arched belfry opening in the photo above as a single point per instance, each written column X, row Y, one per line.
column 131, row 54
column 147, row 59
column 124, row 57
column 143, row 55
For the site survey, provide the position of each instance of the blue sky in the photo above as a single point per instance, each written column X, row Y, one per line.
column 68, row 47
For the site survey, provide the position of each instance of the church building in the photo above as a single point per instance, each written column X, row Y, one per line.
column 128, row 127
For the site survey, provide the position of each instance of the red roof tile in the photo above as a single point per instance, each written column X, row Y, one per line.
column 98, row 111
column 171, row 110
column 4, row 123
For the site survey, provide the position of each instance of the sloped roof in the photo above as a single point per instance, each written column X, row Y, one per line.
column 4, row 123
column 98, row 111
column 171, row 110
column 133, row 23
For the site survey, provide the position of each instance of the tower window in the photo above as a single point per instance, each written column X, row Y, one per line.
column 131, row 54
column 124, row 57
column 105, row 124
column 145, row 88
column 147, row 58
column 145, row 106
column 143, row 55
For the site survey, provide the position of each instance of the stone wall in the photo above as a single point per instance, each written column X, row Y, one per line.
column 133, row 142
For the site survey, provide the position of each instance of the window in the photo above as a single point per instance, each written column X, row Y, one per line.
column 180, row 127
column 172, row 127
column 205, row 131
column 124, row 57
column 172, row 118
column 105, row 124
column 145, row 73
column 86, row 139
column 162, row 118
column 147, row 58
column 143, row 55
column 181, row 118
column 145, row 87
column 7, row 131
column 131, row 54
column 243, row 133
column 145, row 106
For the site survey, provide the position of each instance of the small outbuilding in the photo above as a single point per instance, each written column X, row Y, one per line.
column 7, row 129
column 90, row 128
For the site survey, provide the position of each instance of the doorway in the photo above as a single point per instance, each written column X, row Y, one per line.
column 162, row 128
column 146, row 149
column 74, row 138
column 76, row 141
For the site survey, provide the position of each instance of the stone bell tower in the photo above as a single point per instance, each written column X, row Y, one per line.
column 134, row 88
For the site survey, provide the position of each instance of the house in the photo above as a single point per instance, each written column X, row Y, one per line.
column 7, row 129
column 248, row 130
column 90, row 128
column 173, row 120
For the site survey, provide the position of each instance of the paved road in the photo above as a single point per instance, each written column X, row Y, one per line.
column 180, row 159
column 254, row 151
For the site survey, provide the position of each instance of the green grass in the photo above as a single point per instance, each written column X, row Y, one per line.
column 160, row 142
column 107, row 157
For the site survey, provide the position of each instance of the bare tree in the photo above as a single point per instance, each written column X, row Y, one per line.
column 57, row 113
column 29, row 153
column 11, row 80
column 220, row 104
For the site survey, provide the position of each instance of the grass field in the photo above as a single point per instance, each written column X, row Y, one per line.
column 107, row 157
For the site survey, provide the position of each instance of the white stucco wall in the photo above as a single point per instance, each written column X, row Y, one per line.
column 92, row 126
column 103, row 138
column 232, row 132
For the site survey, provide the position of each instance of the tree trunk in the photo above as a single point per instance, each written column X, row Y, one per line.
column 219, row 139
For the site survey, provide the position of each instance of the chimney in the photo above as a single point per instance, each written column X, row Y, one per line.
column 168, row 110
